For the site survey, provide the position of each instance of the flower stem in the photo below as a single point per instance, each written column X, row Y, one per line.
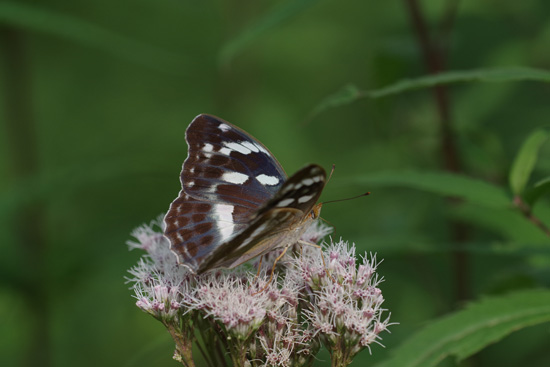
column 340, row 355
column 184, row 352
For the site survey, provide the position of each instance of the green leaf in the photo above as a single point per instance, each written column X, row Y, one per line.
column 480, row 75
column 525, row 161
column 277, row 16
column 466, row 332
column 344, row 96
column 447, row 184
column 449, row 77
column 539, row 189
column 510, row 225
column 32, row 18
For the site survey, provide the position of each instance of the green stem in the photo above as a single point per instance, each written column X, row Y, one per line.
column 525, row 209
column 435, row 60
column 340, row 355
column 184, row 345
column 238, row 355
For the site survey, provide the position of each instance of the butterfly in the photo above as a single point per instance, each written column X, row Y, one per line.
column 236, row 202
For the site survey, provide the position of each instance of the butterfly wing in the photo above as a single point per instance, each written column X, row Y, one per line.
column 301, row 191
column 262, row 235
column 226, row 164
column 278, row 223
column 226, row 177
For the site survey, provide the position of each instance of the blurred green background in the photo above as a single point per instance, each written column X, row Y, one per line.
column 96, row 97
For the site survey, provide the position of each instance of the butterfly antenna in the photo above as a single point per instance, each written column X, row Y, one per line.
column 355, row 197
column 331, row 172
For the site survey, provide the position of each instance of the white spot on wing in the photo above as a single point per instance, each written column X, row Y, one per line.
column 234, row 147
column 267, row 180
column 208, row 147
column 307, row 182
column 253, row 235
column 285, row 202
column 225, row 223
column 258, row 230
column 261, row 149
column 246, row 242
column 235, row 177
column 305, row 198
column 288, row 188
column 224, row 127
column 238, row 147
column 250, row 146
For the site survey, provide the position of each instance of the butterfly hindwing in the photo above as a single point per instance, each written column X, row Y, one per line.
column 196, row 228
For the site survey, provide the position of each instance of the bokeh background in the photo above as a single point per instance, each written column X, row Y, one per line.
column 95, row 99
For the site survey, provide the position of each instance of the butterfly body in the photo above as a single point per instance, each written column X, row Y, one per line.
column 236, row 202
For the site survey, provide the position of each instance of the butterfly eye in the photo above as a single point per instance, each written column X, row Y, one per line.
column 313, row 214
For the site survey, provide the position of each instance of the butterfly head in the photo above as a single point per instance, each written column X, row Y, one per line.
column 316, row 211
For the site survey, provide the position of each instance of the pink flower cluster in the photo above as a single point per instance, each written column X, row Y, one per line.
column 317, row 298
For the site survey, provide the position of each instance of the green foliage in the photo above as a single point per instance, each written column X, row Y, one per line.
column 274, row 18
column 539, row 189
column 525, row 161
column 446, row 184
column 35, row 19
column 464, row 333
column 350, row 93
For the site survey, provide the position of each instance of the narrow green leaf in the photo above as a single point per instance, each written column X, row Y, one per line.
column 466, row 332
column 447, row 184
column 275, row 17
column 32, row 18
column 525, row 161
column 449, row 77
column 539, row 189
column 480, row 75
column 344, row 96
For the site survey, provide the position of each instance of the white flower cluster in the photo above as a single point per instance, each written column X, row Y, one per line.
column 346, row 303
column 317, row 298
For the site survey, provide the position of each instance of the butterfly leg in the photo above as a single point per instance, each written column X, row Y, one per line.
column 322, row 256
column 258, row 273
column 259, row 267
column 272, row 271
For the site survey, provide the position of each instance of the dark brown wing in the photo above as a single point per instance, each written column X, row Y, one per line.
column 226, row 177
column 285, row 212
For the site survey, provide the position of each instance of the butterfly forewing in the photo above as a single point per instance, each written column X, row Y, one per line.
column 225, row 164
column 300, row 191
column 235, row 202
